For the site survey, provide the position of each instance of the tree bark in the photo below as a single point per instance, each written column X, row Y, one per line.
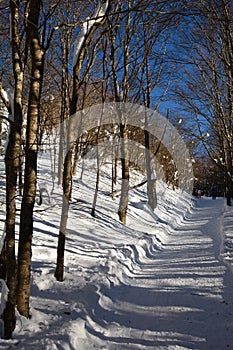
column 123, row 206
column 29, row 193
column 97, row 182
column 12, row 165
column 122, row 97
column 151, row 181
column 83, row 44
column 67, row 173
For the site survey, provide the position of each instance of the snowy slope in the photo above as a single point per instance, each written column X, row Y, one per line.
column 159, row 282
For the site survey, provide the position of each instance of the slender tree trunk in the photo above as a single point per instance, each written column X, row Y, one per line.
column 67, row 173
column 76, row 157
column 97, row 161
column 20, row 176
column 29, row 194
column 83, row 44
column 229, row 190
column 151, row 180
column 122, row 97
column 11, row 270
column 61, row 151
column 79, row 140
column 114, row 173
column 97, row 182
column 65, row 101
column 123, row 206
column 13, row 163
column 8, row 255
column 83, row 166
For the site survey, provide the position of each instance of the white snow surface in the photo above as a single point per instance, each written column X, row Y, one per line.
column 162, row 281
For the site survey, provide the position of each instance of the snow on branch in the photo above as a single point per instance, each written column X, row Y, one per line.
column 87, row 27
column 4, row 97
column 6, row 104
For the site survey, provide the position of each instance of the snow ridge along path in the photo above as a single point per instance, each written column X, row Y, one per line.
column 162, row 287
column 180, row 299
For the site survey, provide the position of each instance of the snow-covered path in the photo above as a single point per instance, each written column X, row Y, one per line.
column 160, row 285
column 180, row 299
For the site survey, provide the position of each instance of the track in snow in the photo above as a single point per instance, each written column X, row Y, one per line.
column 180, row 298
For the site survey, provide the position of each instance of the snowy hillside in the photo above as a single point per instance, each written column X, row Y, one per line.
column 158, row 282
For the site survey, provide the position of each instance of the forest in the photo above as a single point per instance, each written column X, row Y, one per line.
column 148, row 84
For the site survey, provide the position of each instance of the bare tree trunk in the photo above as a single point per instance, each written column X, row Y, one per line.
column 11, row 270
column 83, row 166
column 114, row 173
column 76, row 157
column 123, row 206
column 61, row 150
column 82, row 45
column 210, row 87
column 20, row 176
column 151, row 177
column 122, row 97
column 65, row 100
column 229, row 190
column 13, row 163
column 29, row 194
column 96, row 187
column 151, row 180
column 97, row 145
column 97, row 178
column 67, row 173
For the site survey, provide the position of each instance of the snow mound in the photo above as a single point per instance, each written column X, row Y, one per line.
column 155, row 283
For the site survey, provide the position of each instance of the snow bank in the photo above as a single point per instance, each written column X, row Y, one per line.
column 155, row 283
column 227, row 247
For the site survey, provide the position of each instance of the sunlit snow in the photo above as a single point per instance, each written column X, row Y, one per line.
column 162, row 281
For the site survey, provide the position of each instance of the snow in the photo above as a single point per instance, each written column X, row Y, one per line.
column 7, row 95
column 3, row 295
column 87, row 26
column 162, row 281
